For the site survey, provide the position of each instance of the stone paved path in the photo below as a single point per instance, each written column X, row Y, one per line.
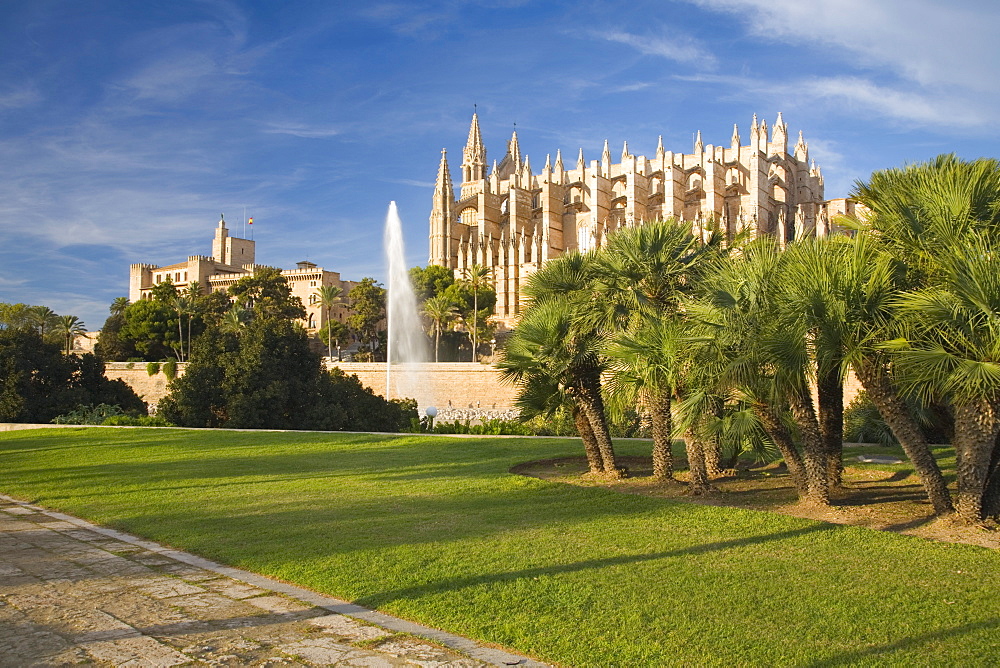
column 72, row 593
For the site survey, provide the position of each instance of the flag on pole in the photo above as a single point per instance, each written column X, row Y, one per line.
column 250, row 222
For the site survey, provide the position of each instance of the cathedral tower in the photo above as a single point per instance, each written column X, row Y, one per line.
column 512, row 220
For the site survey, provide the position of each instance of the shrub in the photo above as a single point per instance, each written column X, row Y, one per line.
column 90, row 414
column 169, row 369
column 141, row 421
column 153, row 368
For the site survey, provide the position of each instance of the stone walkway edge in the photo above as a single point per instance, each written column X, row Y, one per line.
column 458, row 643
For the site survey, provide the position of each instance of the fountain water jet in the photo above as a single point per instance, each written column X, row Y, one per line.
column 405, row 337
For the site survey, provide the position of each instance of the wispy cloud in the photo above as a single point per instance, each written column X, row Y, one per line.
column 19, row 97
column 851, row 95
column 301, row 130
column 677, row 47
column 412, row 182
column 926, row 41
column 631, row 88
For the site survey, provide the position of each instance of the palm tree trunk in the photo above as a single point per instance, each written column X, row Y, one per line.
column 713, row 448
column 437, row 342
column 663, row 457
column 976, row 428
column 991, row 497
column 781, row 437
column 698, row 476
column 814, row 451
column 589, row 399
column 830, row 393
column 890, row 405
column 475, row 327
column 594, row 460
column 180, row 335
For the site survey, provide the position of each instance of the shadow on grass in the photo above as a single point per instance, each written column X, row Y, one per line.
column 377, row 600
column 911, row 642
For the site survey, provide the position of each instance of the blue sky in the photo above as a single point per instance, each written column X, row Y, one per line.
column 127, row 127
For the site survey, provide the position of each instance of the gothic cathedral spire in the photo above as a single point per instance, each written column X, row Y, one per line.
column 441, row 214
column 474, row 154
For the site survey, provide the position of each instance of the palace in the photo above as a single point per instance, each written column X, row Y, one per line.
column 512, row 220
column 232, row 259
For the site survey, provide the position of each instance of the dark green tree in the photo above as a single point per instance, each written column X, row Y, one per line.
column 265, row 376
column 151, row 327
column 15, row 316
column 430, row 281
column 267, row 295
column 38, row 382
column 367, row 300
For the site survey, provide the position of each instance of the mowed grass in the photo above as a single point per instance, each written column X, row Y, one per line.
column 435, row 529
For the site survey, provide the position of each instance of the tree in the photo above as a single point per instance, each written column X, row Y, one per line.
column 165, row 291
column 642, row 274
column 151, row 326
column 430, row 281
column 367, row 300
column 266, row 377
column 465, row 301
column 329, row 297
column 110, row 345
column 558, row 343
column 118, row 305
column 952, row 351
column 764, row 356
column 44, row 319
column 477, row 277
column 184, row 307
column 336, row 335
column 234, row 320
column 70, row 327
column 15, row 316
column 927, row 216
column 645, row 369
column 267, row 295
column 38, row 382
column 440, row 311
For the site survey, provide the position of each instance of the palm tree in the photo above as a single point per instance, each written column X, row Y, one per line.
column 476, row 276
column 557, row 342
column 235, row 319
column 329, row 297
column 118, row 306
column 71, row 327
column 952, row 351
column 548, row 350
column 643, row 273
column 924, row 215
column 644, row 369
column 183, row 306
column 441, row 311
column 44, row 318
column 766, row 353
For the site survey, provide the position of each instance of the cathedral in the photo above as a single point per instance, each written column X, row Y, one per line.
column 512, row 220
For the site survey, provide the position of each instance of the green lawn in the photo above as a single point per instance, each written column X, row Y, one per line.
column 435, row 529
